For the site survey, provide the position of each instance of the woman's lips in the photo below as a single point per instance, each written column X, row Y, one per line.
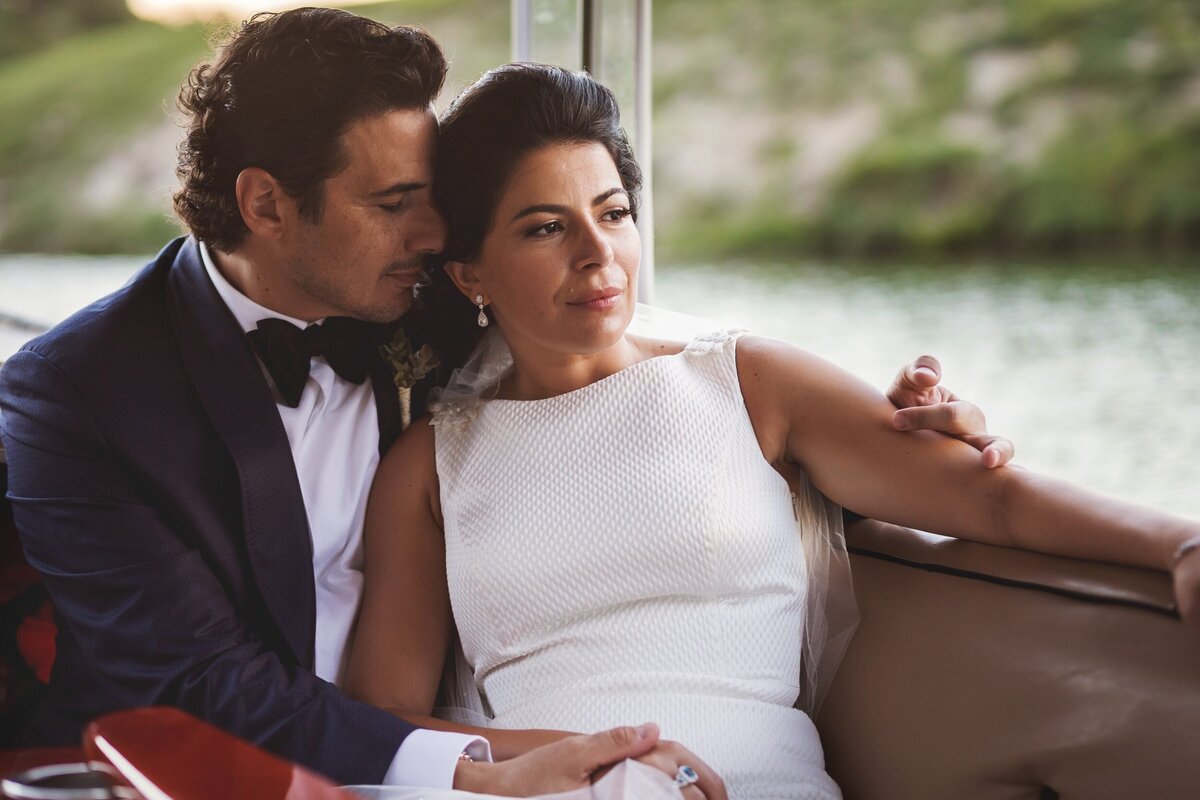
column 599, row 301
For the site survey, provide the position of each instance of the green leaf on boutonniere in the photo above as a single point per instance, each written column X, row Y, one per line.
column 408, row 366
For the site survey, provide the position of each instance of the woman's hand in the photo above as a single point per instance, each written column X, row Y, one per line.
column 669, row 756
column 575, row 761
column 1186, row 575
column 925, row 405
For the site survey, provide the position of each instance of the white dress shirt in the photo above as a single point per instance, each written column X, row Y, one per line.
column 334, row 437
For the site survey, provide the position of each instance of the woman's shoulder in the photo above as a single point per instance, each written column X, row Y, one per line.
column 786, row 387
column 412, row 449
column 761, row 357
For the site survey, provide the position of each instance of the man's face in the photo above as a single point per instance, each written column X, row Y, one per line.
column 377, row 224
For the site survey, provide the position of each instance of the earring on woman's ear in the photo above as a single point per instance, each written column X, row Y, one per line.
column 482, row 319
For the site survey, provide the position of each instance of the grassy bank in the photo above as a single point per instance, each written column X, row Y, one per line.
column 931, row 128
column 65, row 113
column 861, row 128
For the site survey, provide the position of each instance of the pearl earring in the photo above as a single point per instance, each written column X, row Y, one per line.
column 482, row 319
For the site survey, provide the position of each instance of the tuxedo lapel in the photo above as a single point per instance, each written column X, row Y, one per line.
column 238, row 401
column 387, row 402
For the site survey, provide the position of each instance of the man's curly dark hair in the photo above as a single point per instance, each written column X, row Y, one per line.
column 279, row 95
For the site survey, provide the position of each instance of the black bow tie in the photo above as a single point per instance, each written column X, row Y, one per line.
column 285, row 350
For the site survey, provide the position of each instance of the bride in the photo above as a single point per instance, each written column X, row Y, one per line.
column 603, row 517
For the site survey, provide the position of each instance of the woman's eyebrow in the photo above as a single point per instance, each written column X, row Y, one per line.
column 600, row 198
column 552, row 208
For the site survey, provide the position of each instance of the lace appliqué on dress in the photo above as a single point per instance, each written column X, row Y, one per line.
column 714, row 341
column 454, row 414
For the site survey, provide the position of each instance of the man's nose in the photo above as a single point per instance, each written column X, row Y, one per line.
column 430, row 233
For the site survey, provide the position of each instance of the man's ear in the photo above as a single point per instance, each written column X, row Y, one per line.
column 262, row 202
column 466, row 277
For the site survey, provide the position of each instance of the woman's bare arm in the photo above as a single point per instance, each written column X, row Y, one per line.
column 838, row 429
column 405, row 626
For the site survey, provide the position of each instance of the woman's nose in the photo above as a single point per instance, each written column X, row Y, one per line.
column 594, row 248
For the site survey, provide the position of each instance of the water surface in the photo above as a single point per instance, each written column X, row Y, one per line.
column 1093, row 371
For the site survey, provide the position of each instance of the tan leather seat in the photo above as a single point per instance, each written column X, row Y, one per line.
column 984, row 672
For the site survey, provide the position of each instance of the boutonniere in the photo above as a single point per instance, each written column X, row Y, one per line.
column 408, row 367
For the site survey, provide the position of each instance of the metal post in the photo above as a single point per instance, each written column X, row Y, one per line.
column 643, row 146
column 522, row 30
column 590, row 24
column 589, row 19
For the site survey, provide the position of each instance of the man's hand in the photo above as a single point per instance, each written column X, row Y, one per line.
column 925, row 405
column 570, row 763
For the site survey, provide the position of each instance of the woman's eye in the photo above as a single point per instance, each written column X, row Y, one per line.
column 546, row 229
column 616, row 215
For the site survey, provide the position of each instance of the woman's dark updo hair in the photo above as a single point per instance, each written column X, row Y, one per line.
column 508, row 113
column 279, row 95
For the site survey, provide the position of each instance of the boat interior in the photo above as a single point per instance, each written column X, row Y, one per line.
column 975, row 672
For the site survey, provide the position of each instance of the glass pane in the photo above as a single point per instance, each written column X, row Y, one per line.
column 556, row 33
column 616, row 49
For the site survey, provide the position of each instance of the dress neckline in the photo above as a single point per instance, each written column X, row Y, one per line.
column 573, row 393
column 459, row 412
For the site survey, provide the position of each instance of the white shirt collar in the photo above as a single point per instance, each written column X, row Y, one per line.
column 244, row 310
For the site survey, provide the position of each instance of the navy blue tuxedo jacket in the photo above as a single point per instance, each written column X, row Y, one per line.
column 153, row 487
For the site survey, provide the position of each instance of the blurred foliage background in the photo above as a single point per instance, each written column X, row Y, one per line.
column 857, row 128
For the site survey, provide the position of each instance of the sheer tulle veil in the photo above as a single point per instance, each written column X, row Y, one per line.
column 831, row 614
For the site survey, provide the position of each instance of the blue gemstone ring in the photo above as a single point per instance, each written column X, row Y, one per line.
column 685, row 776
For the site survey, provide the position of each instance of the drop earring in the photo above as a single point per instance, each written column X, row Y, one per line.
column 482, row 319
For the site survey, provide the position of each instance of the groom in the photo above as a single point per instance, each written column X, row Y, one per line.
column 189, row 471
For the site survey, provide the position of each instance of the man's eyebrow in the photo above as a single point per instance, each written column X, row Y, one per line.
column 399, row 188
column 550, row 208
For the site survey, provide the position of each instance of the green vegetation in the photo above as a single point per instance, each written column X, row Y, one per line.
column 861, row 128
column 63, row 112
column 1029, row 126
column 88, row 125
column 26, row 25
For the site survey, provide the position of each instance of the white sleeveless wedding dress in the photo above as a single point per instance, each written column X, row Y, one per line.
column 623, row 553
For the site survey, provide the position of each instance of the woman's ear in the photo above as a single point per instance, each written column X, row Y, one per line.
column 262, row 201
column 466, row 277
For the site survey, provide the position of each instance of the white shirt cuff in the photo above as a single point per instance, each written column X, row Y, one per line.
column 429, row 758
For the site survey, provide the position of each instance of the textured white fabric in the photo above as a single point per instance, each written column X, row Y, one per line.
column 623, row 553
column 334, row 438
column 430, row 758
column 628, row 780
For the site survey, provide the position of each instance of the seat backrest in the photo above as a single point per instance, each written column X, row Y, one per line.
column 987, row 672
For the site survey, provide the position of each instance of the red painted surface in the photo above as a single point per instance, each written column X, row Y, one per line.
column 186, row 759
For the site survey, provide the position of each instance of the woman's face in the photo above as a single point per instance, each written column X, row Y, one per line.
column 559, row 264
